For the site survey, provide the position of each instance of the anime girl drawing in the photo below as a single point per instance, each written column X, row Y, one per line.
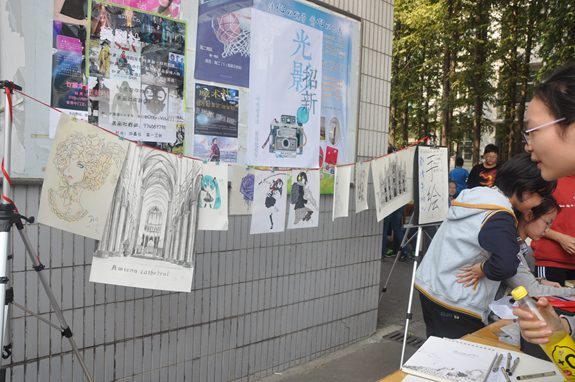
column 302, row 195
column 276, row 187
column 83, row 162
column 210, row 193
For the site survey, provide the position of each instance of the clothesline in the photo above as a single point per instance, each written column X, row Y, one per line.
column 180, row 155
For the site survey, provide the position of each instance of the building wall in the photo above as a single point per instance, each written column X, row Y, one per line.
column 259, row 303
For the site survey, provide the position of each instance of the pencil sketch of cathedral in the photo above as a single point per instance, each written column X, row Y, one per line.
column 154, row 213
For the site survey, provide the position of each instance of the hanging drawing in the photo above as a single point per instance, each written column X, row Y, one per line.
column 214, row 198
column 341, row 192
column 393, row 181
column 242, row 196
column 81, row 175
column 361, row 179
column 269, row 208
column 150, row 234
column 304, row 199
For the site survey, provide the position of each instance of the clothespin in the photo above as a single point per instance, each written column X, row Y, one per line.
column 272, row 170
column 247, row 168
column 217, row 163
column 139, row 143
column 120, row 137
column 205, row 161
column 73, row 118
column 180, row 156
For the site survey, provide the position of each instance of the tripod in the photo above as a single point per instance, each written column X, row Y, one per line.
column 417, row 260
column 9, row 216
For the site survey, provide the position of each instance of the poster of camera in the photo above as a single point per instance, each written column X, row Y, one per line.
column 285, row 93
column 223, row 41
column 335, row 79
column 150, row 233
column 393, row 181
column 216, row 124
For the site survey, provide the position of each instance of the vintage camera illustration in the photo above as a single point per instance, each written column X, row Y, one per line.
column 287, row 136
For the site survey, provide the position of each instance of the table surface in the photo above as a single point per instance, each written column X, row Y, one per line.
column 483, row 336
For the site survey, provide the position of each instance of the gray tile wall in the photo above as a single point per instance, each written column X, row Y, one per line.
column 259, row 303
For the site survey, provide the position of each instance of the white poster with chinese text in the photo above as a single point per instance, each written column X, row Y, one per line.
column 285, row 101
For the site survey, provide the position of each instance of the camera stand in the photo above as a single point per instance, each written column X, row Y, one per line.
column 9, row 216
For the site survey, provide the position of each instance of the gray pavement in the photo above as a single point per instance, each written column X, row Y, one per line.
column 375, row 357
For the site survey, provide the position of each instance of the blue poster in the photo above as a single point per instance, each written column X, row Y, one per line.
column 336, row 71
column 223, row 41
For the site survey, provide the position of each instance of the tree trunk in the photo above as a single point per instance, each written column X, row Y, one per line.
column 525, row 77
column 446, row 88
column 394, row 83
column 479, row 75
column 513, row 72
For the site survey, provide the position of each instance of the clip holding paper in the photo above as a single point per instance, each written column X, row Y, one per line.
column 74, row 119
column 272, row 170
column 139, row 143
column 217, row 163
column 247, row 168
column 120, row 137
column 180, row 156
column 205, row 161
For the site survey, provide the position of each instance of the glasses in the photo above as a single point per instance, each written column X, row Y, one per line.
column 549, row 224
column 526, row 133
column 491, row 156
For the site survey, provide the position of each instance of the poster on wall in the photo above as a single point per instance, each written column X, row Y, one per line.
column 304, row 199
column 269, row 207
column 335, row 79
column 69, row 92
column 216, row 124
column 393, row 181
column 132, row 82
column 284, row 118
column 223, row 41
column 169, row 8
column 83, row 168
column 150, row 233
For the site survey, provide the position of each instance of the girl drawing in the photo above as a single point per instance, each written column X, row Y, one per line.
column 301, row 195
column 210, row 193
column 83, row 162
column 276, row 186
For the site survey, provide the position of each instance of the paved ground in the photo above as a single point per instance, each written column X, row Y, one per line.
column 375, row 357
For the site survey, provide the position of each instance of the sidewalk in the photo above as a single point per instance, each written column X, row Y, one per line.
column 375, row 357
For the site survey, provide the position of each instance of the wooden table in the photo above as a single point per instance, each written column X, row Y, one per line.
column 483, row 336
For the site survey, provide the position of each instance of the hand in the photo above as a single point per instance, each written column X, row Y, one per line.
column 550, row 283
column 471, row 276
column 568, row 244
column 532, row 329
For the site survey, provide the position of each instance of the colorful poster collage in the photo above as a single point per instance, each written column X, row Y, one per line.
column 132, row 81
column 216, row 124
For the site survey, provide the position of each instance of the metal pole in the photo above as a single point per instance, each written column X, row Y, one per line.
column 417, row 252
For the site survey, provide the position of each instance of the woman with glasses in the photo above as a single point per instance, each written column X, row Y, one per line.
column 550, row 138
column 483, row 174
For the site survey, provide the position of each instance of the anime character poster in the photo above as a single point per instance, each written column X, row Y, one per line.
column 150, row 234
column 223, row 41
column 83, row 169
column 341, row 192
column 214, row 198
column 361, row 183
column 269, row 209
column 142, row 56
column 69, row 87
column 335, row 80
column 304, row 199
column 393, row 181
column 216, row 124
column 284, row 119
column 242, row 195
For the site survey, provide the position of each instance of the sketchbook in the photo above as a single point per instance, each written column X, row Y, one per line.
column 445, row 360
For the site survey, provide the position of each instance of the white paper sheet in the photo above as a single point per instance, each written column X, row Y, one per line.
column 304, row 199
column 214, row 197
column 242, row 195
column 341, row 192
column 269, row 210
column 361, row 183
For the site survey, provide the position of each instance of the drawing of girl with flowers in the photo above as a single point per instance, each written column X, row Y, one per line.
column 83, row 162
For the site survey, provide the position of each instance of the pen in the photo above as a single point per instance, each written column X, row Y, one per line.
column 508, row 362
column 505, row 374
column 514, row 366
column 538, row 375
column 496, row 366
column 489, row 370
